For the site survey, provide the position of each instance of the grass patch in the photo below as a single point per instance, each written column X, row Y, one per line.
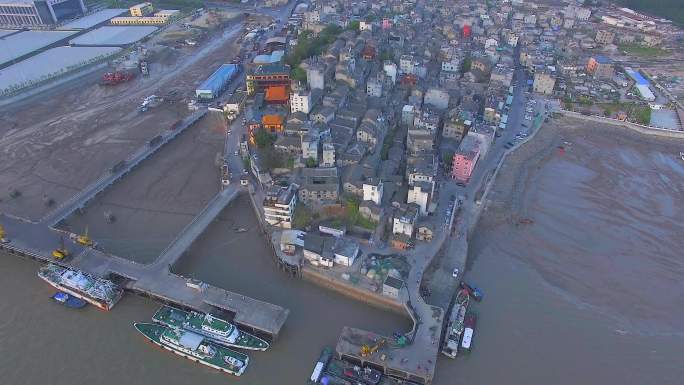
column 643, row 51
column 635, row 112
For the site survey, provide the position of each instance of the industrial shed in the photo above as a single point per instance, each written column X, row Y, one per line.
column 213, row 86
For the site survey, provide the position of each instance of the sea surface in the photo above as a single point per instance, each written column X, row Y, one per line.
column 534, row 327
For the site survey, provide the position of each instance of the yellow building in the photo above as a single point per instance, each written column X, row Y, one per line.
column 161, row 17
column 142, row 9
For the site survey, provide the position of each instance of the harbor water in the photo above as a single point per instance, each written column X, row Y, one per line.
column 538, row 324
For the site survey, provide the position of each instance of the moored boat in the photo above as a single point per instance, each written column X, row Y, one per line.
column 214, row 328
column 97, row 291
column 366, row 375
column 470, row 322
column 455, row 324
column 473, row 291
column 321, row 364
column 68, row 300
column 195, row 348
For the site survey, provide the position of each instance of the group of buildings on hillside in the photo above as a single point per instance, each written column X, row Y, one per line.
column 409, row 91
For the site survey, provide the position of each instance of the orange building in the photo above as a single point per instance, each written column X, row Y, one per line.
column 277, row 95
column 272, row 123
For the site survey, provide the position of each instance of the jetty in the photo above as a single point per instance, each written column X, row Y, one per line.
column 37, row 240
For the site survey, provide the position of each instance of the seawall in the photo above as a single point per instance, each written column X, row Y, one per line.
column 642, row 129
column 348, row 289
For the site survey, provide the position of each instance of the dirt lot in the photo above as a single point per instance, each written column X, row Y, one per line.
column 54, row 144
column 154, row 202
column 607, row 219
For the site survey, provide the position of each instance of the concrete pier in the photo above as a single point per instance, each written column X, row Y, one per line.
column 155, row 280
column 37, row 240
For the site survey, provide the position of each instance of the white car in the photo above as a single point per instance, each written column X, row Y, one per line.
column 455, row 273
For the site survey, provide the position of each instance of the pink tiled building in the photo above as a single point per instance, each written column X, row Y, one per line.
column 465, row 159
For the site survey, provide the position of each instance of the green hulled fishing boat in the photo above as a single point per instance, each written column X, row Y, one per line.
column 195, row 348
column 214, row 328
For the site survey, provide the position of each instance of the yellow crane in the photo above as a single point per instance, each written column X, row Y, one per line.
column 368, row 350
column 2, row 235
column 61, row 252
column 85, row 239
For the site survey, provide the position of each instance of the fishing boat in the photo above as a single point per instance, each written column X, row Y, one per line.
column 212, row 327
column 455, row 326
column 473, row 291
column 320, row 366
column 97, row 291
column 68, row 300
column 195, row 348
column 470, row 321
column 366, row 375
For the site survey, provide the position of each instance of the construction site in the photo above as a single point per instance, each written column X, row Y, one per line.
column 47, row 137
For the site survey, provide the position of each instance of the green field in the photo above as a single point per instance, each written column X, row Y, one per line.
column 668, row 9
column 639, row 50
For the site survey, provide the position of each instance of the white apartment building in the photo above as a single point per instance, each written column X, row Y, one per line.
column 279, row 205
column 372, row 191
column 300, row 101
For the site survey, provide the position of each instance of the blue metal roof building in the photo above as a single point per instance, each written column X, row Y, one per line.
column 636, row 76
column 213, row 86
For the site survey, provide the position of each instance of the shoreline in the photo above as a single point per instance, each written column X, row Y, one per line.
column 523, row 186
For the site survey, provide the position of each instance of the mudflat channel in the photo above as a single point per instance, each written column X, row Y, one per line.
column 153, row 203
column 592, row 290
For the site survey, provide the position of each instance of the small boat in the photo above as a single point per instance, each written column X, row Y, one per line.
column 69, row 300
column 473, row 291
column 240, row 229
column 365, row 375
column 321, row 365
column 470, row 322
column 456, row 324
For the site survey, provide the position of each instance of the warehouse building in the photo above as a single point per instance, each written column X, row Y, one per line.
column 217, row 82
column 26, row 13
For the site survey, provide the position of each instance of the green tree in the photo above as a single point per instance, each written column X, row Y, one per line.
column 309, row 45
column 467, row 63
column 302, row 217
column 311, row 163
column 353, row 25
column 298, row 74
column 351, row 210
column 263, row 138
